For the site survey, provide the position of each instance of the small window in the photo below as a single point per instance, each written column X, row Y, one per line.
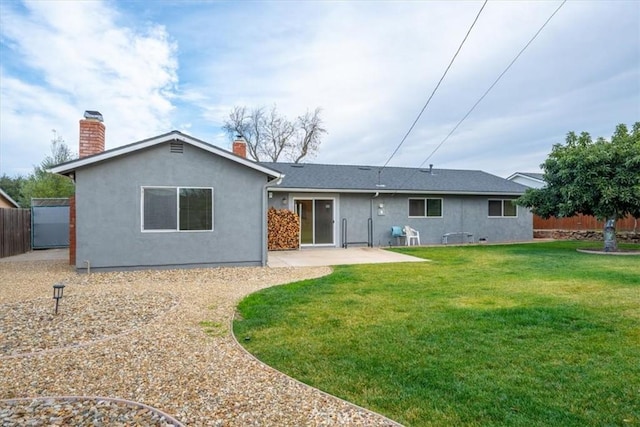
column 416, row 207
column 495, row 207
column 502, row 208
column 177, row 209
column 510, row 208
column 196, row 209
column 421, row 208
column 159, row 208
column 434, row 207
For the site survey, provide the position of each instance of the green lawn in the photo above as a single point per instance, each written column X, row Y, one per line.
column 521, row 335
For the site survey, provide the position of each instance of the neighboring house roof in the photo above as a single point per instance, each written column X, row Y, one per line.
column 50, row 202
column 68, row 167
column 529, row 179
column 359, row 179
column 531, row 175
column 8, row 198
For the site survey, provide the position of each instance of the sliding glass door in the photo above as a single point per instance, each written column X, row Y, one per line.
column 316, row 221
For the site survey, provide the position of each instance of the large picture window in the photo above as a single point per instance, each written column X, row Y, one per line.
column 421, row 208
column 502, row 208
column 177, row 209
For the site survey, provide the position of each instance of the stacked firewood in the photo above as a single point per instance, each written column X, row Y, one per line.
column 284, row 229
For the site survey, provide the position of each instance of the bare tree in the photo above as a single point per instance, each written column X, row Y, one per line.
column 271, row 137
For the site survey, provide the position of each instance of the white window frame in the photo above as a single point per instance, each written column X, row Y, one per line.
column 177, row 229
column 426, row 207
column 502, row 215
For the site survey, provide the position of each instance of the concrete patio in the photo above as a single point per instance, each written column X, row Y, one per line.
column 315, row 257
column 308, row 257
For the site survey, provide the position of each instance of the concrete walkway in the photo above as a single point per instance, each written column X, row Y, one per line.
column 39, row 255
column 308, row 257
column 315, row 257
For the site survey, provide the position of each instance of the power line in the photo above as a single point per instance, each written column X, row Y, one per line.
column 435, row 89
column 487, row 91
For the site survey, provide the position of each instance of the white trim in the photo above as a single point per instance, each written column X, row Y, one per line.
column 527, row 180
column 175, row 135
column 9, row 199
column 524, row 175
column 177, row 229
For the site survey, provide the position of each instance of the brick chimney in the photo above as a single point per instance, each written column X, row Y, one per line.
column 91, row 134
column 240, row 147
column 91, row 141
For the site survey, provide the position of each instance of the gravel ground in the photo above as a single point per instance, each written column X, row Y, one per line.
column 160, row 338
column 78, row 411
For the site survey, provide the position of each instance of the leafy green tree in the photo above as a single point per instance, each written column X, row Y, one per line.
column 12, row 186
column 44, row 184
column 599, row 178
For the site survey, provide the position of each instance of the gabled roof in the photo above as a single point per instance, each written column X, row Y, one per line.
column 69, row 167
column 361, row 179
column 531, row 175
column 8, row 198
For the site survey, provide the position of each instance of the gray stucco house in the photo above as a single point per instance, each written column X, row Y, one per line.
column 176, row 201
column 168, row 201
column 341, row 204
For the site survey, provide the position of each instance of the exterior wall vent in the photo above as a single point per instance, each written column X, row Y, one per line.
column 176, row 147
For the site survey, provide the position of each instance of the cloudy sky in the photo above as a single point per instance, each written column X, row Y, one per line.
column 151, row 67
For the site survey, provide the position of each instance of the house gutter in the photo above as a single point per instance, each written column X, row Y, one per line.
column 373, row 222
column 394, row 192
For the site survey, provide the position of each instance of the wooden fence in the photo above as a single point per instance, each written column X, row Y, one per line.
column 15, row 231
column 582, row 222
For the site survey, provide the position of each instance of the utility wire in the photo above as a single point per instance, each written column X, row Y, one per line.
column 486, row 92
column 434, row 90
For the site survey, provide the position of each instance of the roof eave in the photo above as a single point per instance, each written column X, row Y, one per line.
column 9, row 199
column 523, row 175
column 391, row 191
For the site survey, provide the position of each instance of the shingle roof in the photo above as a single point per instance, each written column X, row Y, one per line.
column 353, row 178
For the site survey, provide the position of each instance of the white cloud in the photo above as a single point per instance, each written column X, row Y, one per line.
column 79, row 57
column 369, row 65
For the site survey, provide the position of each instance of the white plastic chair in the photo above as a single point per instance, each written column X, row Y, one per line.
column 412, row 235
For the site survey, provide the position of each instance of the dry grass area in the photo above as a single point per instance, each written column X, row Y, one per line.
column 157, row 337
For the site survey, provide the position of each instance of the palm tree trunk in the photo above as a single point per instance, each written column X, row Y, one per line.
column 610, row 242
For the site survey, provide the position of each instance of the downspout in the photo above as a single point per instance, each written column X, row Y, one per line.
column 371, row 203
column 373, row 223
column 265, row 251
